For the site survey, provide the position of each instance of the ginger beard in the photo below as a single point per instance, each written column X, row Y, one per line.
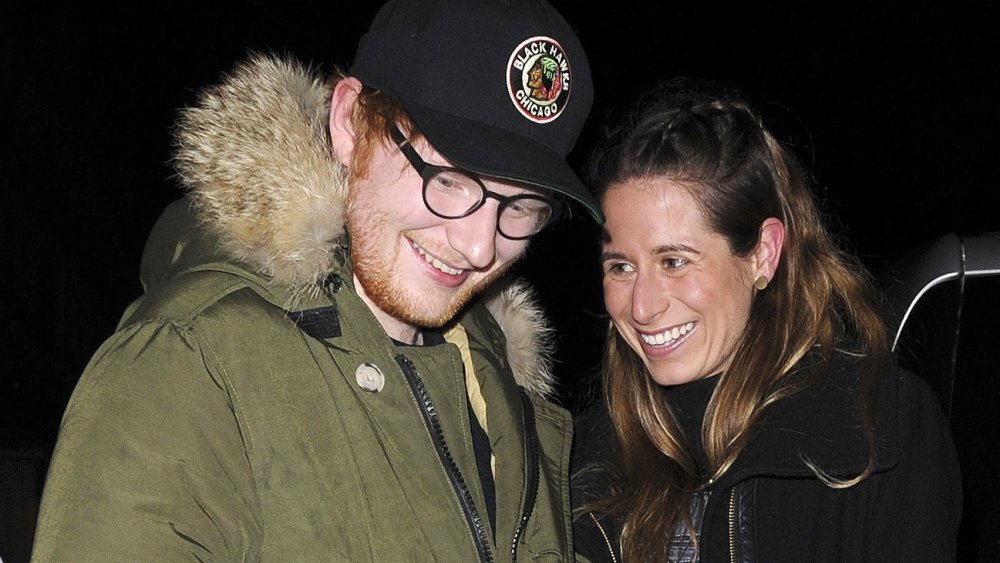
column 377, row 248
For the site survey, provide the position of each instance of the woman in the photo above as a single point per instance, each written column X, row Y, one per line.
column 752, row 412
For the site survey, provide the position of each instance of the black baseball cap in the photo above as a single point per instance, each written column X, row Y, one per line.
column 500, row 87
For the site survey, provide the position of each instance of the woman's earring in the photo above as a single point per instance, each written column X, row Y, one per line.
column 760, row 282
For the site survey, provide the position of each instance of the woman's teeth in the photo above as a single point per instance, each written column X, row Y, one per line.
column 668, row 335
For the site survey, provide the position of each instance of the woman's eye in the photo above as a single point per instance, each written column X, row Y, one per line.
column 618, row 269
column 673, row 263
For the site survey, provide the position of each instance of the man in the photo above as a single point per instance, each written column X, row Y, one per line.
column 311, row 374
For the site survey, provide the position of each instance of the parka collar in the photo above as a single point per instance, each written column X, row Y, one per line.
column 255, row 158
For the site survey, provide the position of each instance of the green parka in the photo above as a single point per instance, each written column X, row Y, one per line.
column 251, row 408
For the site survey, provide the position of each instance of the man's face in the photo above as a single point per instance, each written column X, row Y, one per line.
column 413, row 268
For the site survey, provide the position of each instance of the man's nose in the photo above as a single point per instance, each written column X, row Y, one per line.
column 475, row 235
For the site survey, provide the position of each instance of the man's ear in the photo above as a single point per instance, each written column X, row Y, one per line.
column 767, row 255
column 342, row 101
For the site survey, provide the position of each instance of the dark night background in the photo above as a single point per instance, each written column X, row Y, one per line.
column 893, row 106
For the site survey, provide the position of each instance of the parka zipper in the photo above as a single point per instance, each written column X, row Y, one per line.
column 433, row 424
column 530, row 473
column 472, row 517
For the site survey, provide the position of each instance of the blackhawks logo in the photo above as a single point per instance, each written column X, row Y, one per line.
column 538, row 79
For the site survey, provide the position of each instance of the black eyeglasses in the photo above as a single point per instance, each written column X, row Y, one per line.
column 453, row 193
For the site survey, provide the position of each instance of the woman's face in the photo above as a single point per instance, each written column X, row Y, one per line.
column 674, row 290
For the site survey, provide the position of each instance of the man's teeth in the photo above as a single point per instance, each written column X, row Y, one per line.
column 668, row 335
column 437, row 263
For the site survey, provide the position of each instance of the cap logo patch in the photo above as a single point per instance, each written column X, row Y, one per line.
column 538, row 79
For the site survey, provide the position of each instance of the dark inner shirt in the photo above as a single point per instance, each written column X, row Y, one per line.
column 689, row 402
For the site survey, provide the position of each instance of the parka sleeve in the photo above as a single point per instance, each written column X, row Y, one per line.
column 150, row 463
column 920, row 500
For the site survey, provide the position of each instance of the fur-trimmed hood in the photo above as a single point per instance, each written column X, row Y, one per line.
column 255, row 158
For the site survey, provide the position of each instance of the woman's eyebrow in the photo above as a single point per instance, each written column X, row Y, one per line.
column 605, row 256
column 666, row 248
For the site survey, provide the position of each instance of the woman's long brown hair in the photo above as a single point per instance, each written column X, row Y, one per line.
column 819, row 297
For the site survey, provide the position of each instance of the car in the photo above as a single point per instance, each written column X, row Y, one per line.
column 945, row 327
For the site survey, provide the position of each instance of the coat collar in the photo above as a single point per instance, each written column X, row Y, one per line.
column 820, row 424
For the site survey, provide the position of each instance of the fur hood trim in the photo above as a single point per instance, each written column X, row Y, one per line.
column 529, row 335
column 254, row 156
